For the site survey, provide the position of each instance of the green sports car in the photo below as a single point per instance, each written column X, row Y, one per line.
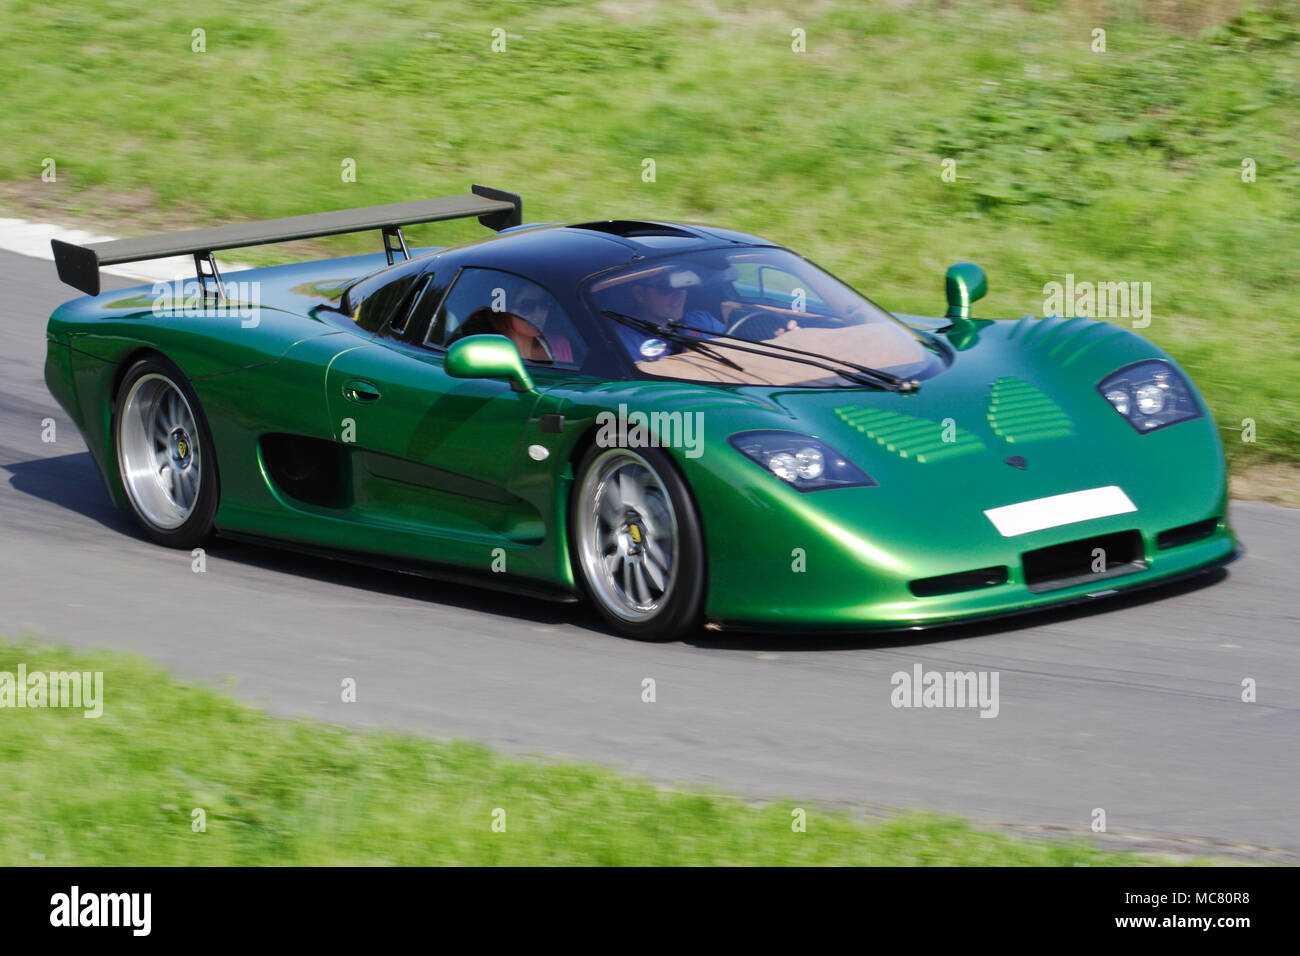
column 684, row 424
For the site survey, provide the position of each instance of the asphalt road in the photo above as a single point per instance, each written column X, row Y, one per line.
column 1132, row 705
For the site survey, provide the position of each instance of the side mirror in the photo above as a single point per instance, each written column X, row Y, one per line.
column 963, row 284
column 488, row 356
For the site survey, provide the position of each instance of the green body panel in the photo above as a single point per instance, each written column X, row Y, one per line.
column 459, row 470
column 926, row 517
column 103, row 334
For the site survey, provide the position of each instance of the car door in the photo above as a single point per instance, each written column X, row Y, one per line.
column 431, row 454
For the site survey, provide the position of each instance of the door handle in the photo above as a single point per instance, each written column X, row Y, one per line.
column 361, row 392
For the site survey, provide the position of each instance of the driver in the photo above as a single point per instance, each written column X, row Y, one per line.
column 661, row 298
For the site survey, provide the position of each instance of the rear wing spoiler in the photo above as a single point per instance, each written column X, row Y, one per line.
column 79, row 265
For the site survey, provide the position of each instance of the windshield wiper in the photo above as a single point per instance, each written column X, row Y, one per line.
column 860, row 374
column 901, row 384
column 678, row 338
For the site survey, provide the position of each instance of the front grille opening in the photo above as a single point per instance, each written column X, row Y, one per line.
column 1083, row 561
column 961, row 581
column 1176, row 537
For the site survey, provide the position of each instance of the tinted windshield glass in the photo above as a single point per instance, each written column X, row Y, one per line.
column 758, row 296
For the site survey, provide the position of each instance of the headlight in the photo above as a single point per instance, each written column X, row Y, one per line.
column 806, row 463
column 1150, row 395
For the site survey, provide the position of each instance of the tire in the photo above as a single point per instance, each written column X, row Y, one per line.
column 165, row 457
column 636, row 542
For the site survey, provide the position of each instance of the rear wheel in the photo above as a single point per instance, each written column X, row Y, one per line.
column 637, row 542
column 164, row 454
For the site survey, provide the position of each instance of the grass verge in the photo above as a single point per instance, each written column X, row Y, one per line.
column 123, row 788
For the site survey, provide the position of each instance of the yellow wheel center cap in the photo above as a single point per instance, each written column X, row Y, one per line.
column 180, row 448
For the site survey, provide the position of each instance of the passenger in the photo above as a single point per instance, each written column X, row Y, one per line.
column 533, row 304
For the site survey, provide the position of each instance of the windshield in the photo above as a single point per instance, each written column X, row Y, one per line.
column 751, row 316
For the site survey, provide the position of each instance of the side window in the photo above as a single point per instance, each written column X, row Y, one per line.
column 373, row 300
column 490, row 302
column 416, row 311
column 747, row 282
column 784, row 289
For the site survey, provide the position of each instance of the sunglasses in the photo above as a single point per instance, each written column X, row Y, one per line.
column 663, row 288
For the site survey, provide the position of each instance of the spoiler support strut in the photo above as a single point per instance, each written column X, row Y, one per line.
column 391, row 233
column 200, row 260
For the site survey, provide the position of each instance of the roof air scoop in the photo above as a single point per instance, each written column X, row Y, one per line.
column 634, row 228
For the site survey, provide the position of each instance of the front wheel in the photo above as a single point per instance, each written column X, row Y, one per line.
column 637, row 541
column 164, row 454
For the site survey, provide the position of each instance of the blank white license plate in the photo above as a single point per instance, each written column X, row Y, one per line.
column 1027, row 516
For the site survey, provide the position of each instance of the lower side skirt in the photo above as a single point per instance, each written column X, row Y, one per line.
column 439, row 572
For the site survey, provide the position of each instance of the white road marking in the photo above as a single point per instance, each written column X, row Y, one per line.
column 33, row 239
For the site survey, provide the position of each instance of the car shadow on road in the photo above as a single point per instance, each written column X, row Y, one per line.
column 489, row 600
column 414, row 585
column 72, row 482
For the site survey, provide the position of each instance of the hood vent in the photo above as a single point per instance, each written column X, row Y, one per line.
column 1064, row 340
column 909, row 437
column 1020, row 412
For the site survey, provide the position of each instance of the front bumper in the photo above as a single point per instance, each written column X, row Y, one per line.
column 883, row 605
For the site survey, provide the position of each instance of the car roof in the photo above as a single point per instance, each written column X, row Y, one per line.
column 571, row 253
column 567, row 254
